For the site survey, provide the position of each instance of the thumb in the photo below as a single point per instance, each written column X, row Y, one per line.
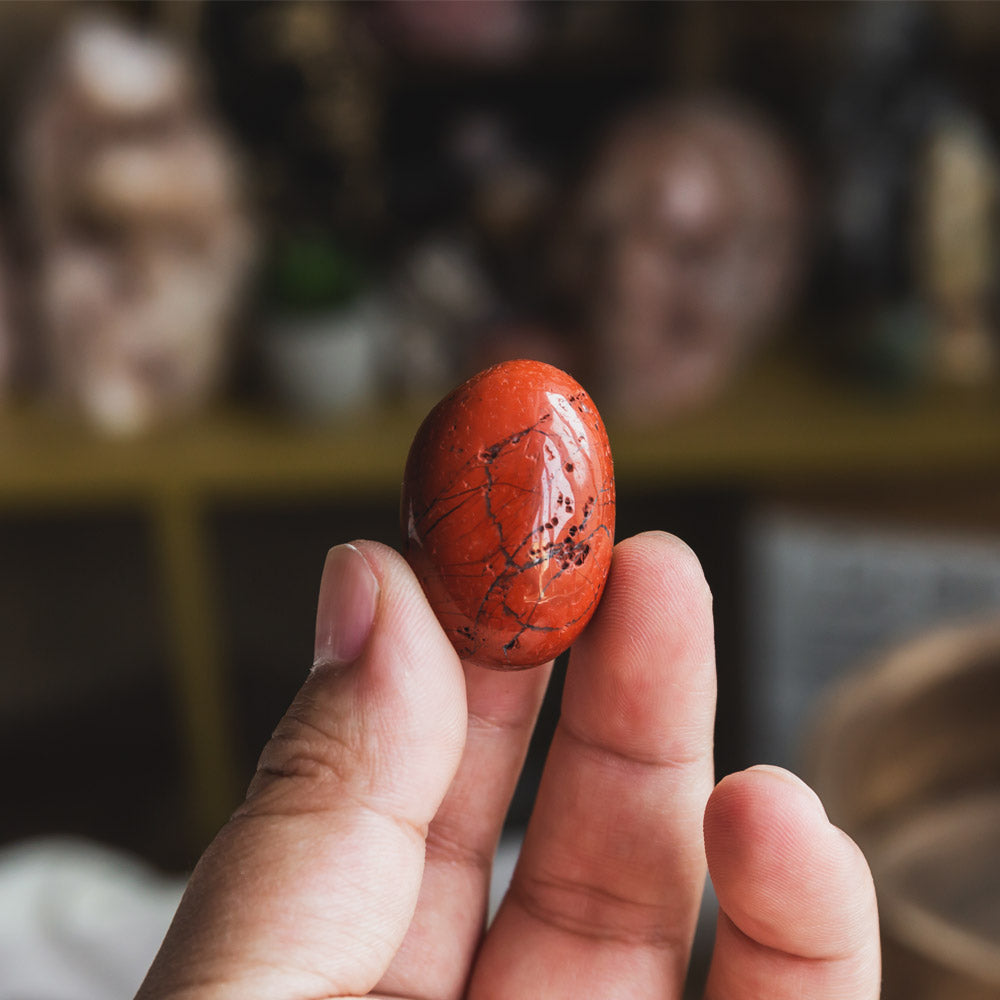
column 309, row 889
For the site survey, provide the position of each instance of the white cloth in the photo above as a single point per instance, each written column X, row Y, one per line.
column 78, row 921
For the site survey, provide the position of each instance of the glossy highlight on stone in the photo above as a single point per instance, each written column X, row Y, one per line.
column 508, row 513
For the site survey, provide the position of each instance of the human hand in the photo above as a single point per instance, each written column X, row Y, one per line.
column 360, row 861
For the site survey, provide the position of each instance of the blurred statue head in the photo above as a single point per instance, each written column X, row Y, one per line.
column 682, row 252
column 133, row 199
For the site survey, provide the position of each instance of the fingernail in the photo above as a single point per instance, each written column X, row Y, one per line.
column 348, row 595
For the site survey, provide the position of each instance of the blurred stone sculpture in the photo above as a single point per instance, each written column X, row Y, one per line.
column 683, row 252
column 957, row 248
column 133, row 199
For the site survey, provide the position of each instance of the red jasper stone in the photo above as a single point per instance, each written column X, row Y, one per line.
column 508, row 513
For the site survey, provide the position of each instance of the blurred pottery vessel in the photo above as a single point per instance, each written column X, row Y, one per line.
column 327, row 366
column 906, row 757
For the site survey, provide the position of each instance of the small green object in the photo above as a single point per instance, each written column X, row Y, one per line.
column 314, row 274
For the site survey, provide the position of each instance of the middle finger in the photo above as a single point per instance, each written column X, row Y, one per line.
column 605, row 896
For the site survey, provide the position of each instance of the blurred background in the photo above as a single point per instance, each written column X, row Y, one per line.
column 245, row 246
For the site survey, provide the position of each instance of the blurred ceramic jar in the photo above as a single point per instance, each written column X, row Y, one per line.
column 143, row 241
column 682, row 252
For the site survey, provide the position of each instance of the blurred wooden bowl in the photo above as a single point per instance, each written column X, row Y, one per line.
column 906, row 757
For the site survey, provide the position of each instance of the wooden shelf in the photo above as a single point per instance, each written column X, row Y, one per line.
column 777, row 425
column 783, row 426
column 231, row 453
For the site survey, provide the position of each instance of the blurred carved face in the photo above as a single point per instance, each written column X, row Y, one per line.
column 687, row 232
column 134, row 197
